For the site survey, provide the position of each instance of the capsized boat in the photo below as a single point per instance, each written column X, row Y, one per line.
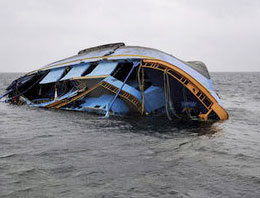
column 121, row 80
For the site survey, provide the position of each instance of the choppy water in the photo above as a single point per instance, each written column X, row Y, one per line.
column 47, row 153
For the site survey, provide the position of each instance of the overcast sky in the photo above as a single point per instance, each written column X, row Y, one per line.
column 224, row 34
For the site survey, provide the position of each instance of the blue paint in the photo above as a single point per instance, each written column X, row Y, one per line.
column 133, row 83
column 128, row 52
column 101, row 103
column 67, row 95
column 117, row 83
column 103, row 68
column 188, row 104
column 112, row 102
column 76, row 71
column 154, row 98
column 53, row 76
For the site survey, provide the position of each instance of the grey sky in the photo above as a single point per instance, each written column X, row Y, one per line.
column 225, row 34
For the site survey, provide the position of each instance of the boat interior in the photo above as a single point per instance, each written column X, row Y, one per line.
column 117, row 87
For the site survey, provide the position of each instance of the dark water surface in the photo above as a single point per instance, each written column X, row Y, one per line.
column 47, row 153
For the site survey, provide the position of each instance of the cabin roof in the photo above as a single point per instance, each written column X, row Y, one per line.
column 116, row 51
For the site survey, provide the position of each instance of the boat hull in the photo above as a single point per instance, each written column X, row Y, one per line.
column 122, row 80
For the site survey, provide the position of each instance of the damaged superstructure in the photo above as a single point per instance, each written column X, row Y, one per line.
column 120, row 80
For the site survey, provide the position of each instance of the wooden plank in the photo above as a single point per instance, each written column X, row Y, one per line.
column 77, row 97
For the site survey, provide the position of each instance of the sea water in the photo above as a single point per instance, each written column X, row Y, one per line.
column 54, row 153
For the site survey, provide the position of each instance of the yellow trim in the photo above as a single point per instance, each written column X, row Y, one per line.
column 205, row 116
column 147, row 59
column 54, row 104
column 89, row 77
column 107, row 86
column 194, row 86
column 97, row 57
column 131, row 98
column 77, row 97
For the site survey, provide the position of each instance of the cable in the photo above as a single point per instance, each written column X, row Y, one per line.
column 141, row 85
column 128, row 75
column 187, row 110
column 168, row 98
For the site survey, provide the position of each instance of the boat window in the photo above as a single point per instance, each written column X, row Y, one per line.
column 76, row 71
column 103, row 69
column 122, row 70
column 53, row 76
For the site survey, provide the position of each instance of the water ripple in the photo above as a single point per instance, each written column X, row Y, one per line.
column 47, row 153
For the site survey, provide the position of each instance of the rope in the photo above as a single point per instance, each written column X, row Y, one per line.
column 141, row 85
column 187, row 110
column 111, row 104
column 168, row 98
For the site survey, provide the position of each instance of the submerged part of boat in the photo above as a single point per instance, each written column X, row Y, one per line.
column 122, row 80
